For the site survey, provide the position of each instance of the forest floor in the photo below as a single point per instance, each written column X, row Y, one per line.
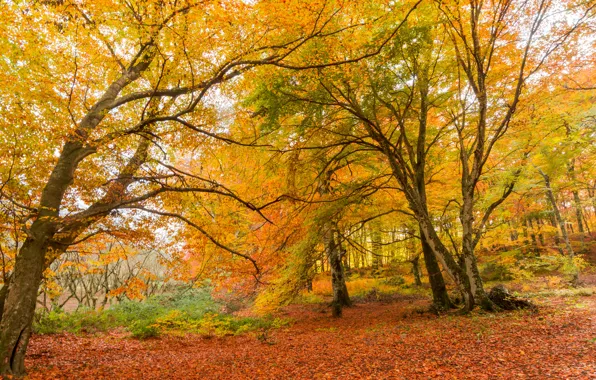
column 395, row 339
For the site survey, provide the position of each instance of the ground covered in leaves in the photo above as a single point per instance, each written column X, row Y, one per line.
column 377, row 340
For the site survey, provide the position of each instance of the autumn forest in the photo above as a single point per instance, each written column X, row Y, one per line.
column 299, row 189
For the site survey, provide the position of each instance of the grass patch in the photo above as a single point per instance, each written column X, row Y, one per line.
column 81, row 321
column 178, row 313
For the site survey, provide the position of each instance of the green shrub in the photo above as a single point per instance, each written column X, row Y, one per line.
column 80, row 321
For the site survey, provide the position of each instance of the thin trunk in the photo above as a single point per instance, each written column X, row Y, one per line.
column 586, row 224
column 576, row 199
column 540, row 235
column 334, row 253
column 559, row 218
column 376, row 247
column 435, row 277
column 578, row 212
column 553, row 222
column 512, row 232
column 532, row 233
column 556, row 213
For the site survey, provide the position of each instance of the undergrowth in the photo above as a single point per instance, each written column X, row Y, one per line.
column 192, row 311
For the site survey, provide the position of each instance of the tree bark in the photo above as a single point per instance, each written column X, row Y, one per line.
column 3, row 294
column 453, row 268
column 513, row 236
column 540, row 235
column 376, row 248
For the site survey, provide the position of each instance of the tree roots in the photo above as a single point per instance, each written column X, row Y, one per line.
column 501, row 297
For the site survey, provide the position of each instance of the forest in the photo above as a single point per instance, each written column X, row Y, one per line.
column 272, row 189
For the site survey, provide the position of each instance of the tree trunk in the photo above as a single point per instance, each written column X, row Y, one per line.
column 479, row 295
column 559, row 218
column 416, row 270
column 576, row 199
column 448, row 262
column 512, row 232
column 19, row 308
column 578, row 212
column 435, row 277
column 3, row 294
column 476, row 284
column 376, row 248
column 532, row 233
column 335, row 252
column 540, row 236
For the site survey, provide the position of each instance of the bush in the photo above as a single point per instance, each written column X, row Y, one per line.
column 144, row 330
